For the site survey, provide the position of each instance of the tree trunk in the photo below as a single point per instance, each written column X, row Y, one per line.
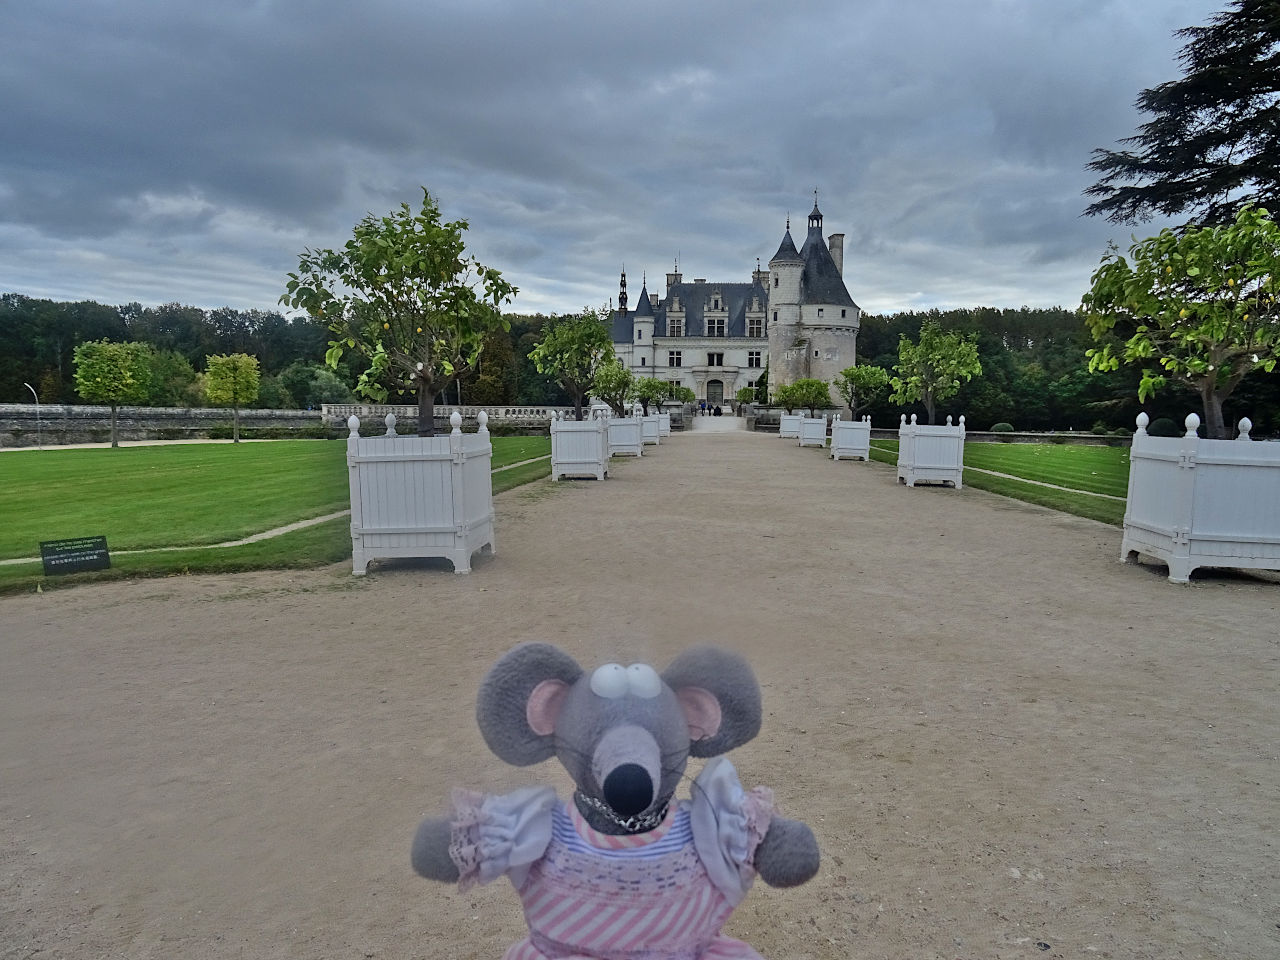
column 1215, row 427
column 115, row 440
column 929, row 406
column 235, row 424
column 426, row 409
column 577, row 404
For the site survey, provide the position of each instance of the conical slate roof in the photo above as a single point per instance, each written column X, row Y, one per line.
column 644, row 308
column 787, row 252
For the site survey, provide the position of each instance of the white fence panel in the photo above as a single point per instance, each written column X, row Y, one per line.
column 420, row 496
column 664, row 424
column 625, row 439
column 789, row 425
column 1203, row 503
column 813, row 432
column 851, row 438
column 579, row 448
column 931, row 454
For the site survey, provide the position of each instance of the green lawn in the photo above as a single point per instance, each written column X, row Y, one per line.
column 148, row 497
column 1089, row 469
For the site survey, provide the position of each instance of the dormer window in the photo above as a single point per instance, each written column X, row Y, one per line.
column 715, row 304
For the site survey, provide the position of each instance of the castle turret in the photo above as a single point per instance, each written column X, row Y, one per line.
column 622, row 292
column 642, row 333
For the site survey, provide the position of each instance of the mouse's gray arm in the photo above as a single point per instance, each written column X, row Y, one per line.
column 788, row 854
column 430, row 856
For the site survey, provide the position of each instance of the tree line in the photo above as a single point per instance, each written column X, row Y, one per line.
column 1035, row 371
column 40, row 338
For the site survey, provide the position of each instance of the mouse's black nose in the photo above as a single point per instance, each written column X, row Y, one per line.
column 628, row 789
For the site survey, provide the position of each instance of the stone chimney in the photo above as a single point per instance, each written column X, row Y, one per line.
column 835, row 243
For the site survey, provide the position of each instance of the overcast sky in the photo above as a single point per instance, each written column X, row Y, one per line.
column 172, row 150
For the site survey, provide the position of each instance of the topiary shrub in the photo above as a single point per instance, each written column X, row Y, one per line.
column 1100, row 429
column 1163, row 427
column 1122, row 432
column 1002, row 427
column 1057, row 438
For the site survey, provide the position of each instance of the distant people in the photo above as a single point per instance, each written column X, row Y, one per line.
column 718, row 411
column 702, row 408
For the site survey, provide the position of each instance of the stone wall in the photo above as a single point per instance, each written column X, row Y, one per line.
column 25, row 425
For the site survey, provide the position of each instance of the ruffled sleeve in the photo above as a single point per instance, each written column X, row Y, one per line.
column 728, row 824
column 493, row 835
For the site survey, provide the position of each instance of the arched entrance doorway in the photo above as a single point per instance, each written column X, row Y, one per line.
column 715, row 391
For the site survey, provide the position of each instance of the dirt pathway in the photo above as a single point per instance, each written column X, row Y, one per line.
column 1008, row 743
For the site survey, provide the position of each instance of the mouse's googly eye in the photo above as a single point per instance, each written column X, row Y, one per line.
column 610, row 681
column 643, row 681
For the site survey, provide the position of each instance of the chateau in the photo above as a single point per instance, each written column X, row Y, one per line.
column 716, row 338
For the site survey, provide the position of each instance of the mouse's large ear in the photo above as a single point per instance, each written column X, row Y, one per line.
column 720, row 697
column 520, row 699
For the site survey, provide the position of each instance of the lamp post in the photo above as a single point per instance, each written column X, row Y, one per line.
column 39, row 440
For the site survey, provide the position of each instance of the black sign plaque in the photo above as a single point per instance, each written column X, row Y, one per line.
column 71, row 556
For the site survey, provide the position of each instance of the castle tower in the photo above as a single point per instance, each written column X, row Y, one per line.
column 813, row 322
column 786, row 356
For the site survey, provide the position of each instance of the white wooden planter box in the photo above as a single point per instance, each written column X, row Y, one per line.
column 579, row 448
column 624, row 437
column 851, row 438
column 931, row 454
column 650, row 429
column 1203, row 503
column 789, row 425
column 664, row 424
column 813, row 432
column 420, row 496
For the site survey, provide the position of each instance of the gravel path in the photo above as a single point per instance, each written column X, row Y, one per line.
column 1008, row 743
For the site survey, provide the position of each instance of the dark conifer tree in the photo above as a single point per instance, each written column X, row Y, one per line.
column 1212, row 144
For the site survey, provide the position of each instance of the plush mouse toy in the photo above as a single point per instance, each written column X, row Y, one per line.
column 624, row 870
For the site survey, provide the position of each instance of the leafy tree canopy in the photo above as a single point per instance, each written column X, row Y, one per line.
column 232, row 380
column 933, row 368
column 614, row 385
column 403, row 294
column 811, row 393
column 1197, row 305
column 1212, row 144
column 113, row 374
column 651, row 390
column 573, row 349
column 859, row 386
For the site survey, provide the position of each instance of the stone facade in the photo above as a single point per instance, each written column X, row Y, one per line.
column 716, row 338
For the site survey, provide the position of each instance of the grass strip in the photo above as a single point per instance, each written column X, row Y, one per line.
column 1078, row 504
column 315, row 546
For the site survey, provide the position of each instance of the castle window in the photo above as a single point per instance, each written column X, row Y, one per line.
column 819, row 311
column 775, row 316
column 715, row 326
column 775, row 281
column 715, row 359
column 755, row 327
column 674, row 358
column 753, row 358
column 674, row 384
column 639, row 334
column 842, row 313
column 645, row 363
column 715, row 304
column 675, row 326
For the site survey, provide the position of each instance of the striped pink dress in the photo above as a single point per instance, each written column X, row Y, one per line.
column 661, row 895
